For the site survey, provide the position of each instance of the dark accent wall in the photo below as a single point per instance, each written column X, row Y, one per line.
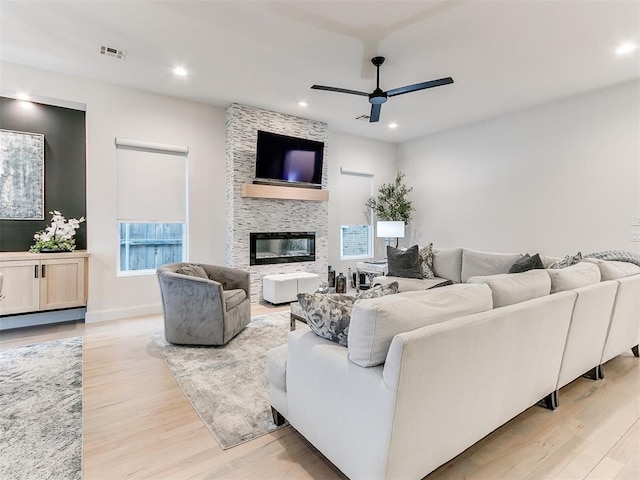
column 64, row 167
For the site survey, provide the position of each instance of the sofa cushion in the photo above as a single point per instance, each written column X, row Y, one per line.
column 376, row 321
column 411, row 284
column 476, row 263
column 567, row 261
column 405, row 263
column 510, row 288
column 447, row 263
column 327, row 315
column 547, row 261
column 576, row 276
column 192, row 270
column 526, row 263
column 426, row 261
column 612, row 270
column 234, row 297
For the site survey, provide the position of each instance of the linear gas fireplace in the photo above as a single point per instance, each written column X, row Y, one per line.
column 282, row 247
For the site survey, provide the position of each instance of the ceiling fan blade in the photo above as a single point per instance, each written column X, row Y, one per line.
column 419, row 86
column 339, row 90
column 375, row 112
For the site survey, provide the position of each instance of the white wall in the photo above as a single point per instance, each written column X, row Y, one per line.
column 558, row 178
column 362, row 155
column 116, row 111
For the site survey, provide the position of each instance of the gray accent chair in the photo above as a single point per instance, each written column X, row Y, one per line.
column 204, row 311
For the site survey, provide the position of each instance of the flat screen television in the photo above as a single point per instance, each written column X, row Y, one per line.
column 288, row 160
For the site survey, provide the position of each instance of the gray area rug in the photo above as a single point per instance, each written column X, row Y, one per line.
column 41, row 411
column 227, row 385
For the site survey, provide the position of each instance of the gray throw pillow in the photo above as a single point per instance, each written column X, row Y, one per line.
column 426, row 261
column 568, row 261
column 378, row 291
column 328, row 316
column 192, row 270
column 404, row 264
column 526, row 262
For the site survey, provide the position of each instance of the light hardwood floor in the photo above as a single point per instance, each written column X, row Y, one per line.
column 139, row 425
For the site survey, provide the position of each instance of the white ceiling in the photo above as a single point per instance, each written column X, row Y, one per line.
column 503, row 55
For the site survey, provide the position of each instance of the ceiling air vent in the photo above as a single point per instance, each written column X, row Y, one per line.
column 113, row 52
column 364, row 118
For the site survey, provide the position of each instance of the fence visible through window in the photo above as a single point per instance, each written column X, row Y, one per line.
column 146, row 246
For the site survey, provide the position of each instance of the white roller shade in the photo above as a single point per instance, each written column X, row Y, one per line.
column 152, row 183
column 355, row 190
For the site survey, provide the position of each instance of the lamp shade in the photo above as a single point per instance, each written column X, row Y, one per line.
column 390, row 229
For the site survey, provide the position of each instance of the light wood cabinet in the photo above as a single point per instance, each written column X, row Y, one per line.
column 39, row 282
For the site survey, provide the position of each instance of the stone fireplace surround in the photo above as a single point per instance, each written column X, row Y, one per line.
column 249, row 215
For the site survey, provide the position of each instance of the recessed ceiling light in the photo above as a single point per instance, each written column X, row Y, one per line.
column 180, row 71
column 302, row 103
column 393, row 125
column 626, row 48
column 23, row 96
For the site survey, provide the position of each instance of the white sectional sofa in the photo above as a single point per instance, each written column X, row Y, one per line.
column 428, row 373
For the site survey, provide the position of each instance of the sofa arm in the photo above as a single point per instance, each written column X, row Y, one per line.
column 344, row 410
column 230, row 278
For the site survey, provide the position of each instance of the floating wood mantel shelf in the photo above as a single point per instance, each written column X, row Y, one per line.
column 284, row 193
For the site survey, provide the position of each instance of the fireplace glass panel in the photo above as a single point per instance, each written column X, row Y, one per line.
column 282, row 247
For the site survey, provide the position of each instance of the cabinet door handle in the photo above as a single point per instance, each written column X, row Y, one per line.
column 35, row 271
column 44, row 271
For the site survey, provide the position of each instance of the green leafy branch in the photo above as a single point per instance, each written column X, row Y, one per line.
column 392, row 202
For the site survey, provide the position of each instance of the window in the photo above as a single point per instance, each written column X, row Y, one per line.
column 152, row 205
column 355, row 241
column 146, row 246
column 356, row 238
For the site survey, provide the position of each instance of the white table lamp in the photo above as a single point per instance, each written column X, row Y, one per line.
column 389, row 229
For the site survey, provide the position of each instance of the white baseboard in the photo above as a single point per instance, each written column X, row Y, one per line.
column 119, row 313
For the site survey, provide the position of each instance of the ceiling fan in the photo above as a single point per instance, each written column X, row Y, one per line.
column 378, row 97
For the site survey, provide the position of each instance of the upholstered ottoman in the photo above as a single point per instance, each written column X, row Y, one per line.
column 284, row 287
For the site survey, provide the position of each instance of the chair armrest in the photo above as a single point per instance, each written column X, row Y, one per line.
column 230, row 278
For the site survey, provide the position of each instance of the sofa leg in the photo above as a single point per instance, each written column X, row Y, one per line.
column 551, row 400
column 278, row 419
column 596, row 373
column 635, row 351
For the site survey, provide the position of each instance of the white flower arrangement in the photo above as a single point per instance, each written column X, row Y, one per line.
column 59, row 236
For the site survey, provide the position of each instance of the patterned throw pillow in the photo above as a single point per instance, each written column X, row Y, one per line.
column 526, row 263
column 378, row 291
column 405, row 264
column 426, row 261
column 327, row 315
column 192, row 270
column 568, row 261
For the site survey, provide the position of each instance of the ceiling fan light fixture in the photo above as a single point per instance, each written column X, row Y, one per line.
column 377, row 100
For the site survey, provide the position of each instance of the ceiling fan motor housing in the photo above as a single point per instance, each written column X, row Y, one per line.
column 378, row 97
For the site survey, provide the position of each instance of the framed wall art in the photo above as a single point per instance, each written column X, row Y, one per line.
column 21, row 175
